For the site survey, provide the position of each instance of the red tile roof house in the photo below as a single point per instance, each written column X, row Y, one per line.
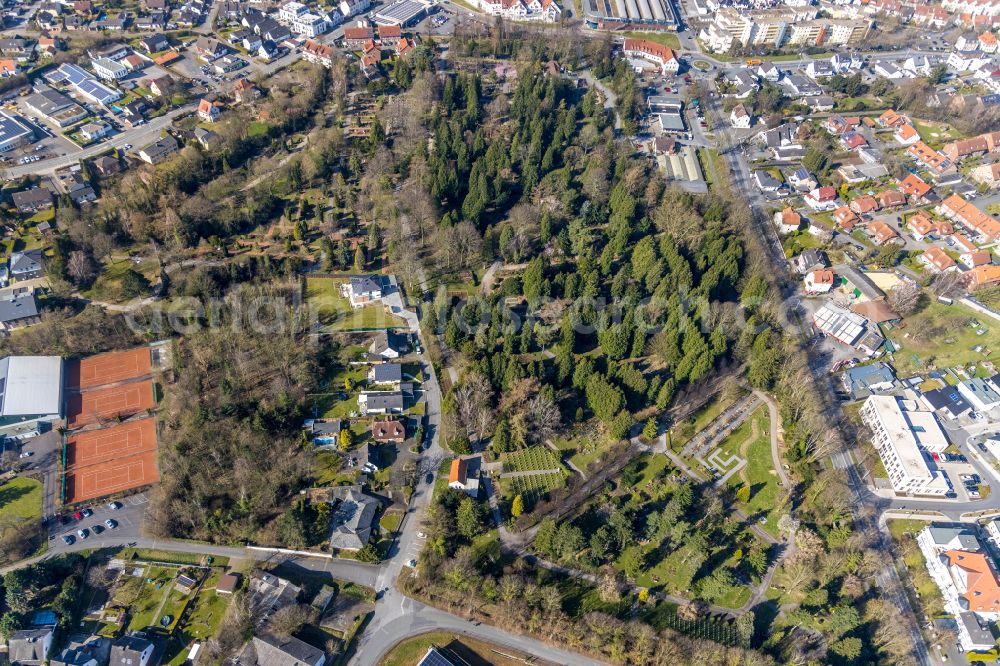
column 787, row 221
column 653, row 52
column 388, row 430
column 389, row 35
column 853, row 141
column 881, row 233
column 891, row 119
column 355, row 38
column 891, row 199
column 864, row 204
column 822, row 198
column 920, row 226
column 974, row 259
column 936, row 260
column 845, row 218
column 914, row 186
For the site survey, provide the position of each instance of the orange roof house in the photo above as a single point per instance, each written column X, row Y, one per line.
column 931, row 159
column 975, row 579
column 914, row 186
column 891, row 198
column 464, row 475
column 881, row 233
column 845, row 217
column 891, row 119
column 982, row 276
column 864, row 204
column 975, row 259
column 959, row 210
column 920, row 226
column 936, row 259
column 167, row 58
column 906, row 133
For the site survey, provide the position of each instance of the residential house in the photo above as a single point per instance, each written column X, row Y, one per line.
column 936, row 260
column 30, row 647
column 864, row 205
column 131, row 651
column 26, row 265
column 207, row 139
column 975, row 259
column 802, row 180
column 819, row 104
column 380, row 402
column 821, row 198
column 352, row 520
column 386, row 345
column 920, row 226
column 987, row 174
column 932, row 160
column 740, row 117
column 269, row 593
column 845, row 218
column 107, row 165
column 891, row 199
column 769, row 72
column 210, row 49
column 853, row 140
column 161, row 85
column 982, row 394
column 819, row 281
column 765, row 181
column 388, row 430
column 363, row 290
column 159, row 150
column 464, row 475
column 33, row 200
column 405, row 47
column 914, row 186
column 957, row 209
column 385, row 373
column 320, row 54
column 92, row 651
column 890, row 119
column 208, row 111
column 906, row 135
column 268, row 650
column 984, row 276
column 95, row 131
column 888, row 70
column 660, row 55
column 880, row 232
column 787, row 221
column 357, row 36
column 810, row 260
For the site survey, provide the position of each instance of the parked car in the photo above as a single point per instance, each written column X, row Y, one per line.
column 68, row 539
column 111, row 523
column 114, row 506
column 87, row 513
column 83, row 533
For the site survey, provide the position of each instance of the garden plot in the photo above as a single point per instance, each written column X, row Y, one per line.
column 532, row 473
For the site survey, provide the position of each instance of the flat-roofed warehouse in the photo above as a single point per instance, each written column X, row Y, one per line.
column 401, row 13
column 13, row 132
column 655, row 14
column 55, row 106
column 31, row 393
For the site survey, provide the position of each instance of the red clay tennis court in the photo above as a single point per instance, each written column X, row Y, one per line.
column 107, row 403
column 111, row 477
column 114, row 443
column 108, row 368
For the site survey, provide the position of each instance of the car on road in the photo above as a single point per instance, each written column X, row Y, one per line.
column 83, row 533
column 430, row 477
column 114, row 506
column 411, row 563
column 68, row 539
column 111, row 523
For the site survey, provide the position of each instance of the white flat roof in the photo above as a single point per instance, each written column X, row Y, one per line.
column 30, row 385
column 902, row 438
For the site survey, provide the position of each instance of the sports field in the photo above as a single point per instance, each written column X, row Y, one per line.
column 109, row 368
column 108, row 403
column 111, row 460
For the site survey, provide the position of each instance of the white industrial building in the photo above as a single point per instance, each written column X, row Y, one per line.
column 980, row 393
column 31, row 395
column 901, row 432
column 14, row 133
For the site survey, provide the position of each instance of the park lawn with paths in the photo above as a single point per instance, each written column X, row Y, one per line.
column 688, row 428
column 759, row 473
column 939, row 336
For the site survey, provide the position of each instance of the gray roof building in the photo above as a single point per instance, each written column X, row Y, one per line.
column 381, row 402
column 28, row 264
column 33, row 200
column 386, row 373
column 267, row 650
column 352, row 520
column 366, row 285
column 942, row 536
column 92, row 651
column 30, row 646
column 131, row 651
column 15, row 311
column 386, row 344
column 862, row 380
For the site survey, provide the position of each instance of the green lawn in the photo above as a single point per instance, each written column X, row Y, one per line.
column 21, row 499
column 935, row 134
column 685, row 430
column 668, row 39
column 582, row 451
column 940, row 336
column 390, row 521
column 531, row 458
column 336, row 312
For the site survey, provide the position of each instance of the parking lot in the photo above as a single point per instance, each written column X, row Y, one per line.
column 128, row 518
